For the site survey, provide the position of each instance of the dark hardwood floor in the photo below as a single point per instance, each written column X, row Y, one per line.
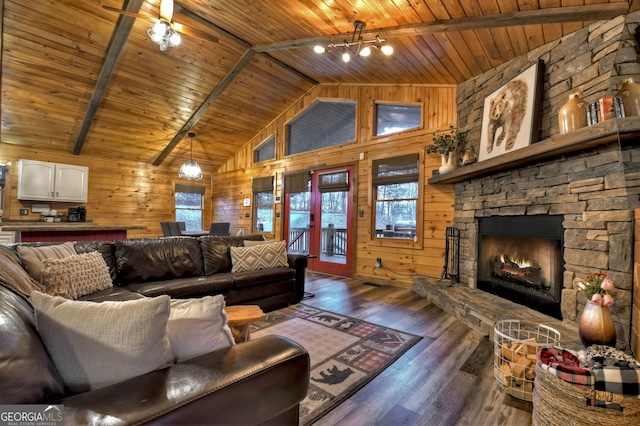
column 445, row 379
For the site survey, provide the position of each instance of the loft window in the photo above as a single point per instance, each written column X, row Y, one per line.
column 266, row 150
column 262, row 189
column 323, row 125
column 393, row 118
column 395, row 189
column 189, row 205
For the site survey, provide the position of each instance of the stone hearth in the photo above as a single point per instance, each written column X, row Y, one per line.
column 480, row 310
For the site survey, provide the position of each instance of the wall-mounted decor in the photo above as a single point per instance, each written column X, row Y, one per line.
column 510, row 114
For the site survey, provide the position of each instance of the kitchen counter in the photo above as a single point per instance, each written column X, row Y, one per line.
column 66, row 231
column 62, row 226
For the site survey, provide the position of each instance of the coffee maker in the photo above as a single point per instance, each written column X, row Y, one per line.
column 73, row 215
column 82, row 214
column 77, row 214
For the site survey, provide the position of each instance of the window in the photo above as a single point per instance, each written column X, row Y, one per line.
column 262, row 204
column 190, row 205
column 266, row 150
column 397, row 118
column 395, row 187
column 324, row 124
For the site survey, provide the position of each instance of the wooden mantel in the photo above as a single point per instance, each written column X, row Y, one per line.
column 587, row 137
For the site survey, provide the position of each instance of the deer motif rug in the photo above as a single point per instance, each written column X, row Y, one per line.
column 346, row 353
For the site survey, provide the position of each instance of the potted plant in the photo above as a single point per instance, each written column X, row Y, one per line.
column 444, row 143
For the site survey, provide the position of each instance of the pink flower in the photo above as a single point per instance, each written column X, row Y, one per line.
column 607, row 284
column 596, row 299
column 607, row 300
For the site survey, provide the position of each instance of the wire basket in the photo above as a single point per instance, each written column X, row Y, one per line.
column 516, row 344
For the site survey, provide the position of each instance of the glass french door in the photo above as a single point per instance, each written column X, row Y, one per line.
column 317, row 219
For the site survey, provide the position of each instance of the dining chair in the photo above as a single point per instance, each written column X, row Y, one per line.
column 174, row 228
column 182, row 226
column 219, row 228
column 166, row 231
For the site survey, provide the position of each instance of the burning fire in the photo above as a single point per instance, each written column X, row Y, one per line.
column 522, row 263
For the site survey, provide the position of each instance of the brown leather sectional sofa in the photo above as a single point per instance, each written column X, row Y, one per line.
column 257, row 382
column 185, row 267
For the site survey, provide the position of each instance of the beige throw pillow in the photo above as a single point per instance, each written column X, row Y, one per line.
column 262, row 256
column 198, row 326
column 94, row 345
column 32, row 257
column 76, row 275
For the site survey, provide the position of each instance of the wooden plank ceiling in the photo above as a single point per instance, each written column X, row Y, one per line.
column 82, row 79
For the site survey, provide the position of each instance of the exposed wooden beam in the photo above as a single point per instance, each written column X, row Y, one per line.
column 182, row 10
column 215, row 93
column 634, row 5
column 591, row 12
column 119, row 39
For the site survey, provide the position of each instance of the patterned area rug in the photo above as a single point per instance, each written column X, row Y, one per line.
column 346, row 353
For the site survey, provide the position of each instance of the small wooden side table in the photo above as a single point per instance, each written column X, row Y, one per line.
column 240, row 317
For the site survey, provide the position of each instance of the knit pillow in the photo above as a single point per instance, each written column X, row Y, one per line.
column 263, row 256
column 76, row 275
column 94, row 345
column 32, row 257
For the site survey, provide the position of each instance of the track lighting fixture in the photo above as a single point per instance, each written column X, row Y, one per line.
column 363, row 47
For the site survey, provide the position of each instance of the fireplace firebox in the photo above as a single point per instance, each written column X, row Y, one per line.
column 520, row 259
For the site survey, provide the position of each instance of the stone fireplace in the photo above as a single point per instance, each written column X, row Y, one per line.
column 520, row 259
column 584, row 184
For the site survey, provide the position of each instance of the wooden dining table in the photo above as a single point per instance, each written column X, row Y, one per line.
column 194, row 233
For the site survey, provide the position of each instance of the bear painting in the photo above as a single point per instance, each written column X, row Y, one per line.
column 508, row 117
column 506, row 113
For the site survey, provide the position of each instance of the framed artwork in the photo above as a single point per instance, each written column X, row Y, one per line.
column 510, row 115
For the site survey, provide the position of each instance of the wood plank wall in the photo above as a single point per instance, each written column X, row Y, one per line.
column 402, row 259
column 120, row 192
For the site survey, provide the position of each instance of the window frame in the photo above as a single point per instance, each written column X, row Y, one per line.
column 374, row 118
column 287, row 125
column 269, row 139
column 191, row 189
column 417, row 241
column 262, row 185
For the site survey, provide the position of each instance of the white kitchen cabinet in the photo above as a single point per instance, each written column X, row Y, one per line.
column 39, row 180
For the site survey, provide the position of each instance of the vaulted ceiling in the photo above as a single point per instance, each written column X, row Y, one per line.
column 80, row 78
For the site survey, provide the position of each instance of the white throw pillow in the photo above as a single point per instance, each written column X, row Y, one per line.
column 94, row 345
column 262, row 256
column 198, row 326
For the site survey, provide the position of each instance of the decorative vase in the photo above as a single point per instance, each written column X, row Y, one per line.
column 630, row 93
column 596, row 326
column 447, row 163
column 572, row 115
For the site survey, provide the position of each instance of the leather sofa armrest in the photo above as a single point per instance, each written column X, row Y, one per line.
column 299, row 263
column 249, row 383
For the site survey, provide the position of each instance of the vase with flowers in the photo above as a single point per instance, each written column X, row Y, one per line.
column 444, row 143
column 596, row 324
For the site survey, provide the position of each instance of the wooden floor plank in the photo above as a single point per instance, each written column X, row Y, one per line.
column 446, row 378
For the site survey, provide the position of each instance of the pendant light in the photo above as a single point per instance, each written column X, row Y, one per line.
column 190, row 169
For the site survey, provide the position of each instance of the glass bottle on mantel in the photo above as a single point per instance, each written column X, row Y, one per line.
column 630, row 93
column 572, row 116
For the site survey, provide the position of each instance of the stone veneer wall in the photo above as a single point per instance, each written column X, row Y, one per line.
column 594, row 189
